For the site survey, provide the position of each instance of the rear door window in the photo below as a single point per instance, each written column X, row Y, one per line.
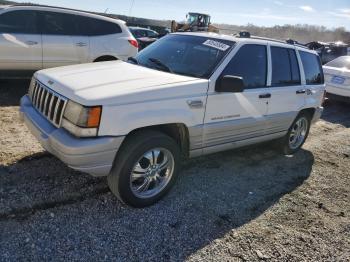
column 285, row 69
column 312, row 68
column 54, row 23
column 19, row 22
column 250, row 63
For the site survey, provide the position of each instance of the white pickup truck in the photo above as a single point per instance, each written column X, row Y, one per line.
column 186, row 95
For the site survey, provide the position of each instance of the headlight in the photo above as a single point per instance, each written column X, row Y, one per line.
column 82, row 121
column 31, row 87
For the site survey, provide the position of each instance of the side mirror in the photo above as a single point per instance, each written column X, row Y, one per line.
column 228, row 83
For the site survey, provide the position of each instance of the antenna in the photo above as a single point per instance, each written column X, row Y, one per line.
column 106, row 10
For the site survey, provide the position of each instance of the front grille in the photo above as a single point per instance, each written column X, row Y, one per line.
column 47, row 102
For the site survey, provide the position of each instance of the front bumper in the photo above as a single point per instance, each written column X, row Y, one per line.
column 318, row 114
column 91, row 155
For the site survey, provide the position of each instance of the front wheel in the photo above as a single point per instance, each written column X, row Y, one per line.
column 297, row 134
column 145, row 169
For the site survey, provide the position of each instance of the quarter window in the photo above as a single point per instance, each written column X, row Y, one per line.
column 250, row 63
column 285, row 69
column 19, row 22
column 101, row 27
column 312, row 68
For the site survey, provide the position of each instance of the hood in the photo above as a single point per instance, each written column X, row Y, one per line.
column 114, row 82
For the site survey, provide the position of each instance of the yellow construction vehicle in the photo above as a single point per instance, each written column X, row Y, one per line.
column 195, row 22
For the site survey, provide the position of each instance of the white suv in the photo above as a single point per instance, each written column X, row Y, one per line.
column 37, row 37
column 186, row 95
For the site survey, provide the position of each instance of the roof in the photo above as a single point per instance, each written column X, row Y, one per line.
column 252, row 39
column 64, row 10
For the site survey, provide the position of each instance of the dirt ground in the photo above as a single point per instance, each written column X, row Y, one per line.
column 242, row 205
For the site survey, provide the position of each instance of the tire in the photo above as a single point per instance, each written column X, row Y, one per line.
column 286, row 143
column 133, row 168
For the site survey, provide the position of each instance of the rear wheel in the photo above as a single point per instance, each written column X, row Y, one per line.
column 297, row 134
column 145, row 169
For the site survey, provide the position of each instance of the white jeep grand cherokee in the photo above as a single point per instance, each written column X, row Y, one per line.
column 186, row 95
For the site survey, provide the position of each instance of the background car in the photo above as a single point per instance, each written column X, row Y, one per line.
column 337, row 78
column 144, row 36
column 37, row 37
column 329, row 51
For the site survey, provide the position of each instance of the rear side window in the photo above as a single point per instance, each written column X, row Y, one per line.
column 101, row 27
column 19, row 22
column 285, row 69
column 250, row 63
column 139, row 33
column 152, row 34
column 312, row 68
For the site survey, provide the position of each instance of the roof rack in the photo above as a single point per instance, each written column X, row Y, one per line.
column 246, row 34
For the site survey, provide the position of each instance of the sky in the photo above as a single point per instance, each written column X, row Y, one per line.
column 329, row 13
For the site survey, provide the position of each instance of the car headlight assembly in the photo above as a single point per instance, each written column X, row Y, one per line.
column 81, row 121
column 31, row 88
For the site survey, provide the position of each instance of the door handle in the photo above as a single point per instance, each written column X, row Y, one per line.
column 31, row 43
column 81, row 44
column 195, row 103
column 301, row 91
column 267, row 95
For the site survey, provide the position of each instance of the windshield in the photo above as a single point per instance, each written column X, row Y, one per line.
column 188, row 55
column 340, row 62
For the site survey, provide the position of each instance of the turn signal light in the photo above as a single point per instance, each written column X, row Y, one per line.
column 94, row 116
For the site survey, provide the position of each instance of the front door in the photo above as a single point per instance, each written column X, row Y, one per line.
column 20, row 42
column 232, row 117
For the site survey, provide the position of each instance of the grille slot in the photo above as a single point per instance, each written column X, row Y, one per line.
column 48, row 103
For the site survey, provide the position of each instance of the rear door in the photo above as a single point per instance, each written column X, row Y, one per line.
column 20, row 41
column 314, row 78
column 287, row 92
column 64, row 41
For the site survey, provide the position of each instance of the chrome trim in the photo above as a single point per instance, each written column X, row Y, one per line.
column 232, row 131
column 41, row 99
column 45, row 102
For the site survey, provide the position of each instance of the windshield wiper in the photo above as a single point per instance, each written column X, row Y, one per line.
column 160, row 64
column 134, row 60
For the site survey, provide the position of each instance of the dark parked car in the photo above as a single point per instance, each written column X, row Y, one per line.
column 144, row 36
column 329, row 51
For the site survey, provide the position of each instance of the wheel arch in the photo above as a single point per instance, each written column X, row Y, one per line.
column 103, row 58
column 177, row 131
column 310, row 111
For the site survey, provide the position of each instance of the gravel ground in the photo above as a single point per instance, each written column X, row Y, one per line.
column 241, row 205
